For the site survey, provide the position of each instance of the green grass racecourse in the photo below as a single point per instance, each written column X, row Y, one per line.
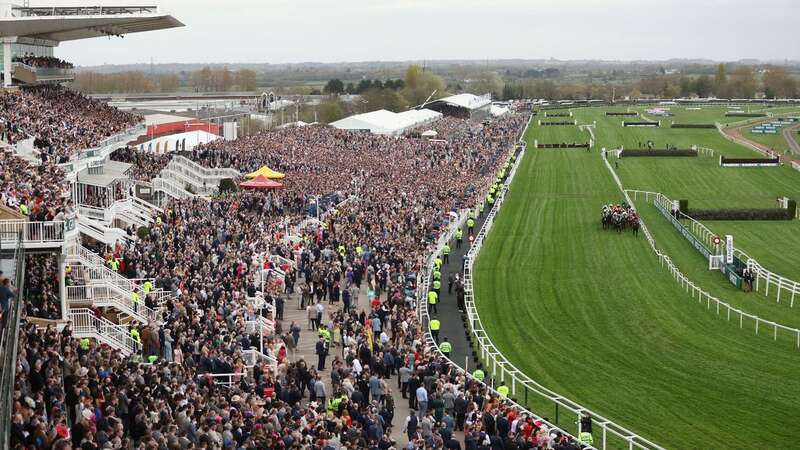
column 707, row 185
column 592, row 315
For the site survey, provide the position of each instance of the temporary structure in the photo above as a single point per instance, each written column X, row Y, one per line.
column 266, row 172
column 260, row 182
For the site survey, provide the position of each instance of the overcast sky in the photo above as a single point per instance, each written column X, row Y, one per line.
column 280, row 31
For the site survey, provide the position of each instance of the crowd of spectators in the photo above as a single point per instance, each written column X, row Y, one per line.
column 62, row 122
column 146, row 165
column 211, row 256
column 38, row 192
column 50, row 62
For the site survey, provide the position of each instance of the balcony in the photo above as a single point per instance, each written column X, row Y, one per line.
column 40, row 75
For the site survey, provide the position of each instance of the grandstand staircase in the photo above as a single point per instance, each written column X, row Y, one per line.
column 102, row 287
column 184, row 178
column 86, row 325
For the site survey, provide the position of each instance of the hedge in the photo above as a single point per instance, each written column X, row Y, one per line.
column 658, row 152
column 562, row 145
column 741, row 214
column 729, row 114
column 557, row 115
column 557, row 123
column 608, row 113
column 641, row 124
column 693, row 125
column 723, row 160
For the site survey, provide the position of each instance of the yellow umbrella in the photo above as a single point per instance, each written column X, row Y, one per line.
column 266, row 172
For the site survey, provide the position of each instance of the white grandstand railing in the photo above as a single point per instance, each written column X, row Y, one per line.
column 100, row 232
column 206, row 171
column 504, row 370
column 172, row 188
column 691, row 287
column 86, row 325
column 104, row 296
column 41, row 234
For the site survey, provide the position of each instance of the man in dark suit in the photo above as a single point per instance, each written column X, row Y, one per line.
column 322, row 353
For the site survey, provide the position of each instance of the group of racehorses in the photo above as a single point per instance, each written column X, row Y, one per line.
column 620, row 217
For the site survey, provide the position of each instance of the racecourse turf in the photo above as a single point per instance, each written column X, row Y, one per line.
column 592, row 314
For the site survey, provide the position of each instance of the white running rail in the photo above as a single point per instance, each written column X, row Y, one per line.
column 691, row 287
column 503, row 369
column 781, row 286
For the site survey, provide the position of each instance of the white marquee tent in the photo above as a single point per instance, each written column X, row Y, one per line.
column 387, row 122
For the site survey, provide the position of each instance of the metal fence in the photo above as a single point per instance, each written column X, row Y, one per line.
column 613, row 435
column 693, row 288
column 9, row 339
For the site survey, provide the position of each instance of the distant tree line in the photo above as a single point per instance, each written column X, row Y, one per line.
column 203, row 80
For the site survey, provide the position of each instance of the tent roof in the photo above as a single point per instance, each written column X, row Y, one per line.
column 266, row 172
column 260, row 182
column 468, row 101
column 387, row 122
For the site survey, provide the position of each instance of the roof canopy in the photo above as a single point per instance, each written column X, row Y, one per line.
column 387, row 122
column 67, row 24
column 266, row 172
column 260, row 182
column 468, row 101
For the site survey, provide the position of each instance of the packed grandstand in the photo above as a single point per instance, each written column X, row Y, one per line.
column 190, row 381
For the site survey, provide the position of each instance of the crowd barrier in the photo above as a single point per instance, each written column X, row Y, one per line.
column 520, row 385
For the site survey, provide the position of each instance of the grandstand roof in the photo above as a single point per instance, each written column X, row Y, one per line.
column 59, row 24
column 468, row 101
column 387, row 122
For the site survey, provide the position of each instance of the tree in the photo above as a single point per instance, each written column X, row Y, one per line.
column 363, row 85
column 420, row 85
column 168, row 82
column 377, row 84
column 743, row 82
column 334, row 87
column 488, row 83
column 350, row 88
column 778, row 84
column 635, row 93
column 721, row 82
column 389, row 84
column 702, row 86
column 331, row 110
column 246, row 80
column 384, row 99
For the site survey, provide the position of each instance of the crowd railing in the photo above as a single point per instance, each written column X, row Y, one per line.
column 9, row 342
column 85, row 324
column 612, row 433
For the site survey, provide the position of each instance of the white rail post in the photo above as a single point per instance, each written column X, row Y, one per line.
column 757, row 320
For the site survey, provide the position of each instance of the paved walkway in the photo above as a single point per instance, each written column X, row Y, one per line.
column 306, row 349
column 789, row 134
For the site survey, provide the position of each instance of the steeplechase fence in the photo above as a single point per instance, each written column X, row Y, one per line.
column 555, row 114
column 641, row 123
column 622, row 113
column 558, row 123
column 703, row 297
column 693, row 125
column 749, row 162
column 643, row 152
